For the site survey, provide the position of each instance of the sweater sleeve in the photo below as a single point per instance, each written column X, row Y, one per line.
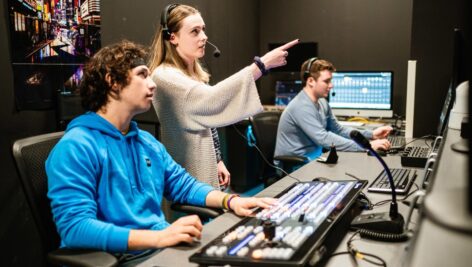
column 72, row 171
column 203, row 106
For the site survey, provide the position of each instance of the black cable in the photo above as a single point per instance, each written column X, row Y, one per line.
column 398, row 118
column 419, row 138
column 382, row 202
column 426, row 143
column 264, row 158
column 357, row 254
column 353, row 176
column 385, row 201
column 322, row 179
column 417, row 188
column 384, row 237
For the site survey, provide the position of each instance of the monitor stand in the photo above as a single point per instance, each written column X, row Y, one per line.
column 461, row 146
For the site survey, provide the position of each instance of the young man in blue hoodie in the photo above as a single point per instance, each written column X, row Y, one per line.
column 106, row 177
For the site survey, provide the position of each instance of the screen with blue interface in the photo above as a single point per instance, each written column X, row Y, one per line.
column 285, row 91
column 361, row 90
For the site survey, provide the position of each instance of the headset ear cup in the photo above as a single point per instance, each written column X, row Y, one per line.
column 306, row 74
column 166, row 33
column 164, row 16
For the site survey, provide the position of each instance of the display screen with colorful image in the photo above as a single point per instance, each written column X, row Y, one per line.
column 48, row 39
column 39, row 86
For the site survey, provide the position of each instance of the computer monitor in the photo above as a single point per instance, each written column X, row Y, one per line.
column 362, row 93
column 458, row 75
column 285, row 91
column 446, row 110
column 36, row 85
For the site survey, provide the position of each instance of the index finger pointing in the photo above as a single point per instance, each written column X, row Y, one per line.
column 289, row 44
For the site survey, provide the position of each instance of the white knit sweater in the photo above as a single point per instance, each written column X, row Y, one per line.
column 187, row 109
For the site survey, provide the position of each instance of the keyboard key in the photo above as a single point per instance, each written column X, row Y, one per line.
column 402, row 178
column 397, row 141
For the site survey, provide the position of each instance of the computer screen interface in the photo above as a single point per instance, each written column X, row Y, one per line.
column 285, row 91
column 361, row 90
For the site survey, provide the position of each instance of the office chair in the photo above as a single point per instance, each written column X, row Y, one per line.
column 30, row 155
column 68, row 107
column 264, row 127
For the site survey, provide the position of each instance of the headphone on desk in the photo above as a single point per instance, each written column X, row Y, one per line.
column 306, row 74
column 165, row 13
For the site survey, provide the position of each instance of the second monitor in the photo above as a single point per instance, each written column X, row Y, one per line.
column 362, row 93
column 355, row 93
column 286, row 90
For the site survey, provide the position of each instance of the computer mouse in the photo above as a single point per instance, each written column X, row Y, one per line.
column 393, row 151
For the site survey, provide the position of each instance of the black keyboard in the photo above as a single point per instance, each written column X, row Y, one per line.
column 396, row 142
column 402, row 178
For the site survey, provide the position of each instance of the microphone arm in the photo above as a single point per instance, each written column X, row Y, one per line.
column 393, row 205
column 216, row 52
column 391, row 223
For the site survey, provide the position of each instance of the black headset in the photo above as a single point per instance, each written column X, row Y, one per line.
column 165, row 13
column 306, row 74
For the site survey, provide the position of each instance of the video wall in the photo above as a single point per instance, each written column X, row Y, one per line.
column 50, row 42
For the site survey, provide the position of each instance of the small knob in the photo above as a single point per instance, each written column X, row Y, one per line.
column 269, row 229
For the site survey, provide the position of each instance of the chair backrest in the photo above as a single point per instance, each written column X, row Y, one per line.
column 30, row 155
column 68, row 107
column 264, row 126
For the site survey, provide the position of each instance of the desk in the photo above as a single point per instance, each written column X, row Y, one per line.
column 437, row 243
column 358, row 164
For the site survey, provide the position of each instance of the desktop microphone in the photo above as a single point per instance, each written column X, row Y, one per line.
column 391, row 222
column 216, row 52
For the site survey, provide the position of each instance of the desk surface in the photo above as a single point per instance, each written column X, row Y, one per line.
column 445, row 236
column 358, row 164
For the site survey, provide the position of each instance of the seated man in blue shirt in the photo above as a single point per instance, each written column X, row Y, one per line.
column 308, row 125
column 106, row 177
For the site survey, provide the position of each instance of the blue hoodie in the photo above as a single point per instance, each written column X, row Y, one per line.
column 102, row 184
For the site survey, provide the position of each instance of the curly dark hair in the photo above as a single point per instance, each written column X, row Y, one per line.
column 116, row 60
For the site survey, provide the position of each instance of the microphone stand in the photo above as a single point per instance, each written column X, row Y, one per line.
column 393, row 205
column 382, row 222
